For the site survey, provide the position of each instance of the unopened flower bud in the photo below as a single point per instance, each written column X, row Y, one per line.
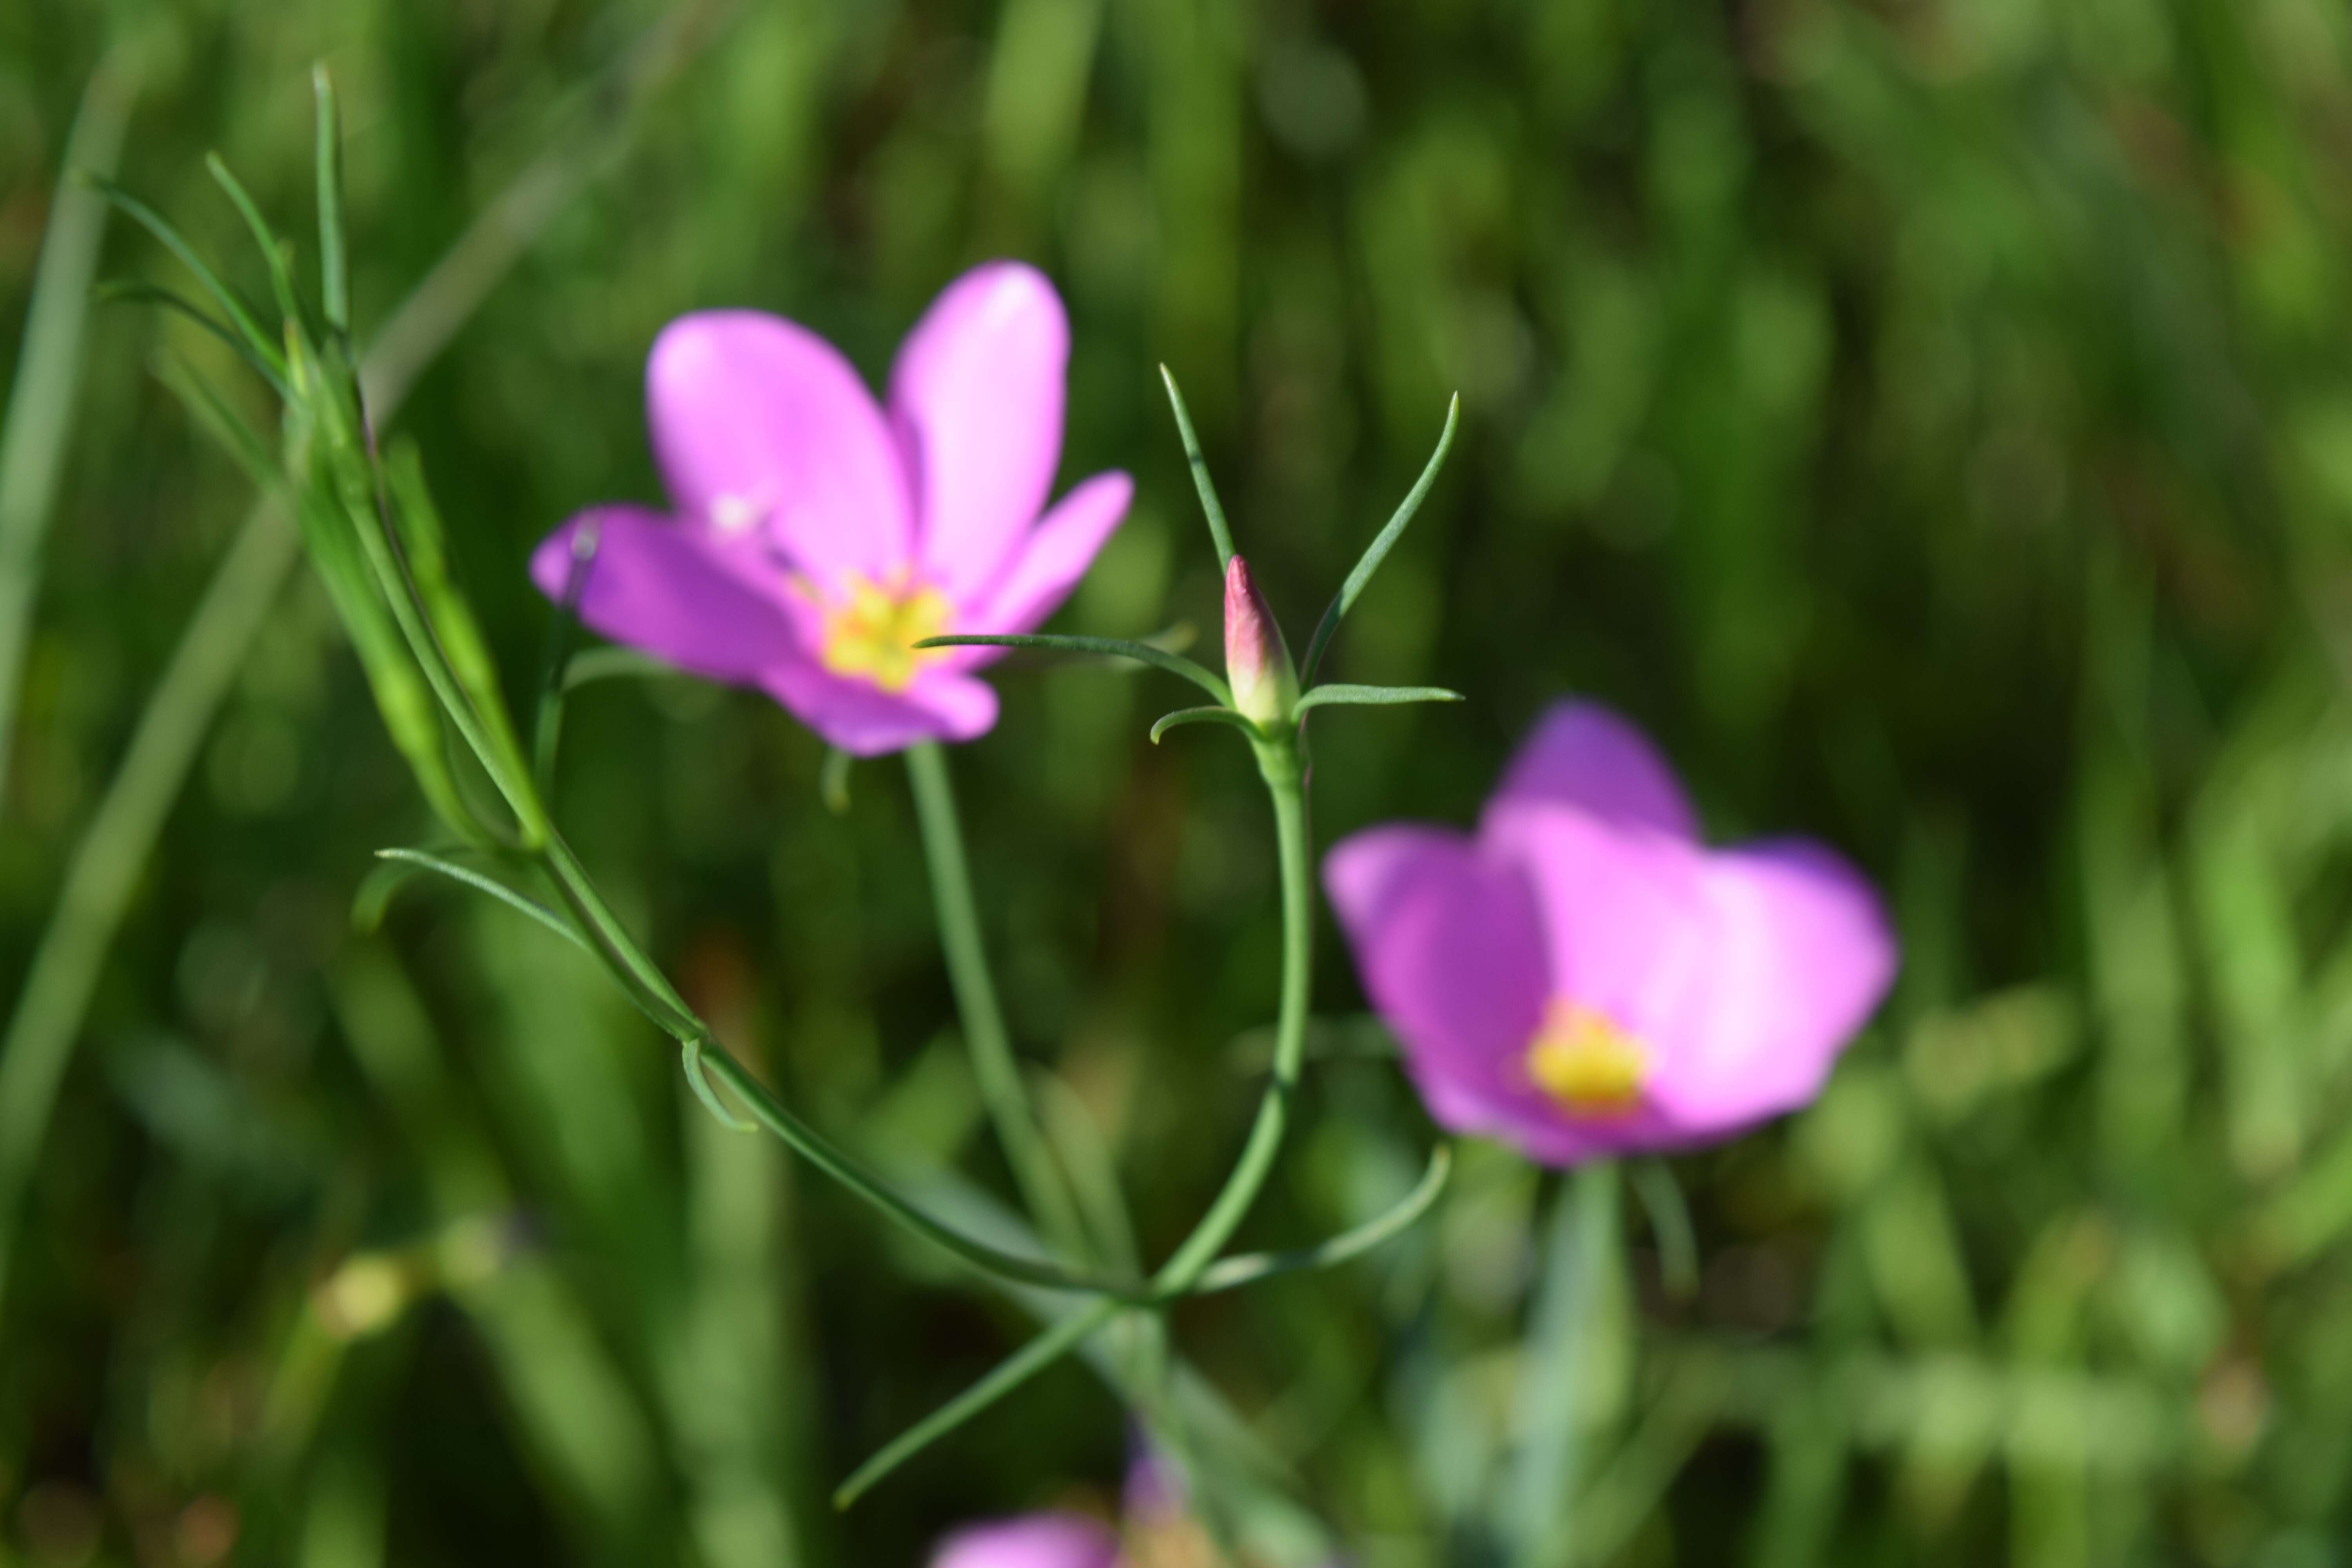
column 1258, row 661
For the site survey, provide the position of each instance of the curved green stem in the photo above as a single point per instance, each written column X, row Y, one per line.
column 1043, row 1191
column 1278, row 763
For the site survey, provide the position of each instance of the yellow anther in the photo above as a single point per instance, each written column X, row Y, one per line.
column 874, row 633
column 1587, row 1064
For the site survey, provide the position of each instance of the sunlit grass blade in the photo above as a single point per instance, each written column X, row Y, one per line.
column 240, row 314
column 1017, row 1369
column 334, row 274
column 1378, row 550
column 530, row 909
column 1218, row 532
column 273, row 250
column 1231, row 1273
column 132, row 292
column 1114, row 647
column 1374, row 696
column 1183, row 715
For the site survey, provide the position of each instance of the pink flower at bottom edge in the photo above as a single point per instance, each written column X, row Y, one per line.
column 1031, row 1540
column 1585, row 977
column 813, row 538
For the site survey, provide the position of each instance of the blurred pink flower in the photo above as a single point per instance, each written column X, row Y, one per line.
column 1585, row 977
column 1031, row 1540
column 813, row 540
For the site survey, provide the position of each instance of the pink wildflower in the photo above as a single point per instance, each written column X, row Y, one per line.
column 1585, row 977
column 813, row 540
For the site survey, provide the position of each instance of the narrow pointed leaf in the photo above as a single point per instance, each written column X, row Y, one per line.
column 272, row 249
column 1218, row 534
column 1231, row 1273
column 239, row 313
column 1379, row 549
column 1374, row 696
column 530, row 909
column 1202, row 716
column 1017, row 1369
column 127, row 293
column 334, row 275
column 1114, row 647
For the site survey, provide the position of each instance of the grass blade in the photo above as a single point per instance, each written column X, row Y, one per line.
column 334, row 271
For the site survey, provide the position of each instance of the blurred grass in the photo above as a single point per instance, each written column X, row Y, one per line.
column 1934, row 421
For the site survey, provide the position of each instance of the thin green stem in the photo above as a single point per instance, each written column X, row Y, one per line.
column 1042, row 1190
column 1278, row 763
column 1549, row 1481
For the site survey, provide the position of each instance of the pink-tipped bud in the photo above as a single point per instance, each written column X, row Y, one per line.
column 1258, row 661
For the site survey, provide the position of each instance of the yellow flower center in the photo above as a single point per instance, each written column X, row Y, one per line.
column 1587, row 1064
column 874, row 633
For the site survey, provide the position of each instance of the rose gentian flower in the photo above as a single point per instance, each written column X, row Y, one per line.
column 1585, row 977
column 813, row 540
column 1031, row 1540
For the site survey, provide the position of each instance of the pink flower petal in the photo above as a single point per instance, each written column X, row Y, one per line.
column 862, row 718
column 671, row 590
column 1056, row 555
column 1583, row 755
column 1450, row 950
column 976, row 398
column 760, row 424
column 1031, row 1540
column 1804, row 957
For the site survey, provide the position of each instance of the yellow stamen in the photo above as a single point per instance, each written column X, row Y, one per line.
column 1587, row 1064
column 874, row 634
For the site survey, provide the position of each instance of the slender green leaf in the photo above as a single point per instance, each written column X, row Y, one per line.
column 334, row 274
column 530, row 908
column 272, row 249
column 1231, row 1273
column 1218, row 532
column 240, row 314
column 1379, row 549
column 1374, row 696
column 1114, row 647
column 127, row 293
column 240, row 441
column 1168, row 722
column 690, row 1057
column 1017, row 1369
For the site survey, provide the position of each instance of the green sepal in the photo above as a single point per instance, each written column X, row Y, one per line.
column 1374, row 696
column 1168, row 722
column 1378, row 550
column 1218, row 534
column 1113, row 647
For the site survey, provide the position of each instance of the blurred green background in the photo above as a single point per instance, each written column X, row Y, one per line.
column 1931, row 419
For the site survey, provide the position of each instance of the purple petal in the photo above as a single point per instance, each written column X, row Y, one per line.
column 1804, row 957
column 1032, row 1541
column 1583, row 755
column 1449, row 947
column 862, row 718
column 1742, row 974
column 1056, row 555
column 976, row 397
column 671, row 590
column 759, row 424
